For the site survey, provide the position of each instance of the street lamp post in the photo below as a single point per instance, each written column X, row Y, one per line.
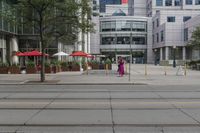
column 174, row 59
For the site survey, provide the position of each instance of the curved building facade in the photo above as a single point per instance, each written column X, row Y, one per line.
column 122, row 35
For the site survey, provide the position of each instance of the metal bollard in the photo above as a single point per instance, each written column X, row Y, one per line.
column 86, row 68
column 106, row 69
column 126, row 68
column 145, row 71
column 185, row 69
column 165, row 70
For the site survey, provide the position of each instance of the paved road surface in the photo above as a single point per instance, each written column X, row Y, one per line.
column 99, row 109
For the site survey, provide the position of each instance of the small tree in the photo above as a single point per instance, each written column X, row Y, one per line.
column 52, row 19
column 195, row 39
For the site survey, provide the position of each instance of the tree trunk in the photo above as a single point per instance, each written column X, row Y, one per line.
column 42, row 74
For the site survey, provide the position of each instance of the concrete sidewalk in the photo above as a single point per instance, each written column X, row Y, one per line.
column 155, row 76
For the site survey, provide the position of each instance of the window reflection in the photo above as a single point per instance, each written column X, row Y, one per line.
column 108, row 40
column 123, row 26
column 123, row 39
column 139, row 40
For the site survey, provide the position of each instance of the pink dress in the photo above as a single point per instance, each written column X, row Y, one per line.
column 121, row 68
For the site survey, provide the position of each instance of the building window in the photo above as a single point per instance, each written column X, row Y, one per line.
column 162, row 36
column 197, row 2
column 139, row 26
column 177, row 2
column 186, row 18
column 168, row 2
column 153, row 24
column 170, row 19
column 159, row 2
column 188, row 2
column 94, row 2
column 153, row 39
column 157, row 22
column 123, row 39
column 186, row 34
column 157, row 37
column 108, row 26
column 108, row 40
column 139, row 40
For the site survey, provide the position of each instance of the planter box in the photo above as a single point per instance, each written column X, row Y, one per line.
column 109, row 66
column 4, row 70
column 75, row 68
column 95, row 66
column 14, row 70
column 47, row 69
column 56, row 69
column 64, row 68
column 31, row 70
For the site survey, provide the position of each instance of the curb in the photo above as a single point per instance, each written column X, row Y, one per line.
column 75, row 84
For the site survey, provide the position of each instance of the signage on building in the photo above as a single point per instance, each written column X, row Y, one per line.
column 124, row 1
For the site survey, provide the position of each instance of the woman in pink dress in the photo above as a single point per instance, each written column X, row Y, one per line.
column 121, row 67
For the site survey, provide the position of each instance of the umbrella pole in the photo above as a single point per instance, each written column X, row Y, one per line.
column 81, row 64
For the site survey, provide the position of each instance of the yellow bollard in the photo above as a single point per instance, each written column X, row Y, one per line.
column 185, row 69
column 106, row 69
column 126, row 69
column 86, row 68
column 145, row 71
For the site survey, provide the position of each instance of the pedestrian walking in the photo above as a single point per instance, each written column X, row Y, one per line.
column 121, row 67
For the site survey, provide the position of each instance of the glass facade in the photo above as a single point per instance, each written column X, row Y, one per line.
column 5, row 24
column 168, row 2
column 9, row 26
column 171, row 19
column 159, row 2
column 197, row 2
column 188, row 2
column 118, row 32
column 109, row 26
column 186, row 18
column 119, row 39
column 103, row 3
column 177, row 2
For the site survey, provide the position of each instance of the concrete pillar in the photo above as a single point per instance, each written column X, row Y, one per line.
column 3, row 47
column 14, row 47
column 4, row 50
column 161, row 53
column 184, row 53
column 166, row 53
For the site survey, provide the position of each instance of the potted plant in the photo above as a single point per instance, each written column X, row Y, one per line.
column 84, row 65
column 31, row 68
column 94, row 64
column 4, row 68
column 64, row 66
column 47, row 67
column 109, row 63
column 56, row 66
column 14, row 69
column 75, row 66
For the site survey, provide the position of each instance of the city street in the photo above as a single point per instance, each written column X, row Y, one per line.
column 100, row 108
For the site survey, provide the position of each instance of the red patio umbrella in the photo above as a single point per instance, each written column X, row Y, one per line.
column 34, row 53
column 19, row 54
column 79, row 53
column 90, row 56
